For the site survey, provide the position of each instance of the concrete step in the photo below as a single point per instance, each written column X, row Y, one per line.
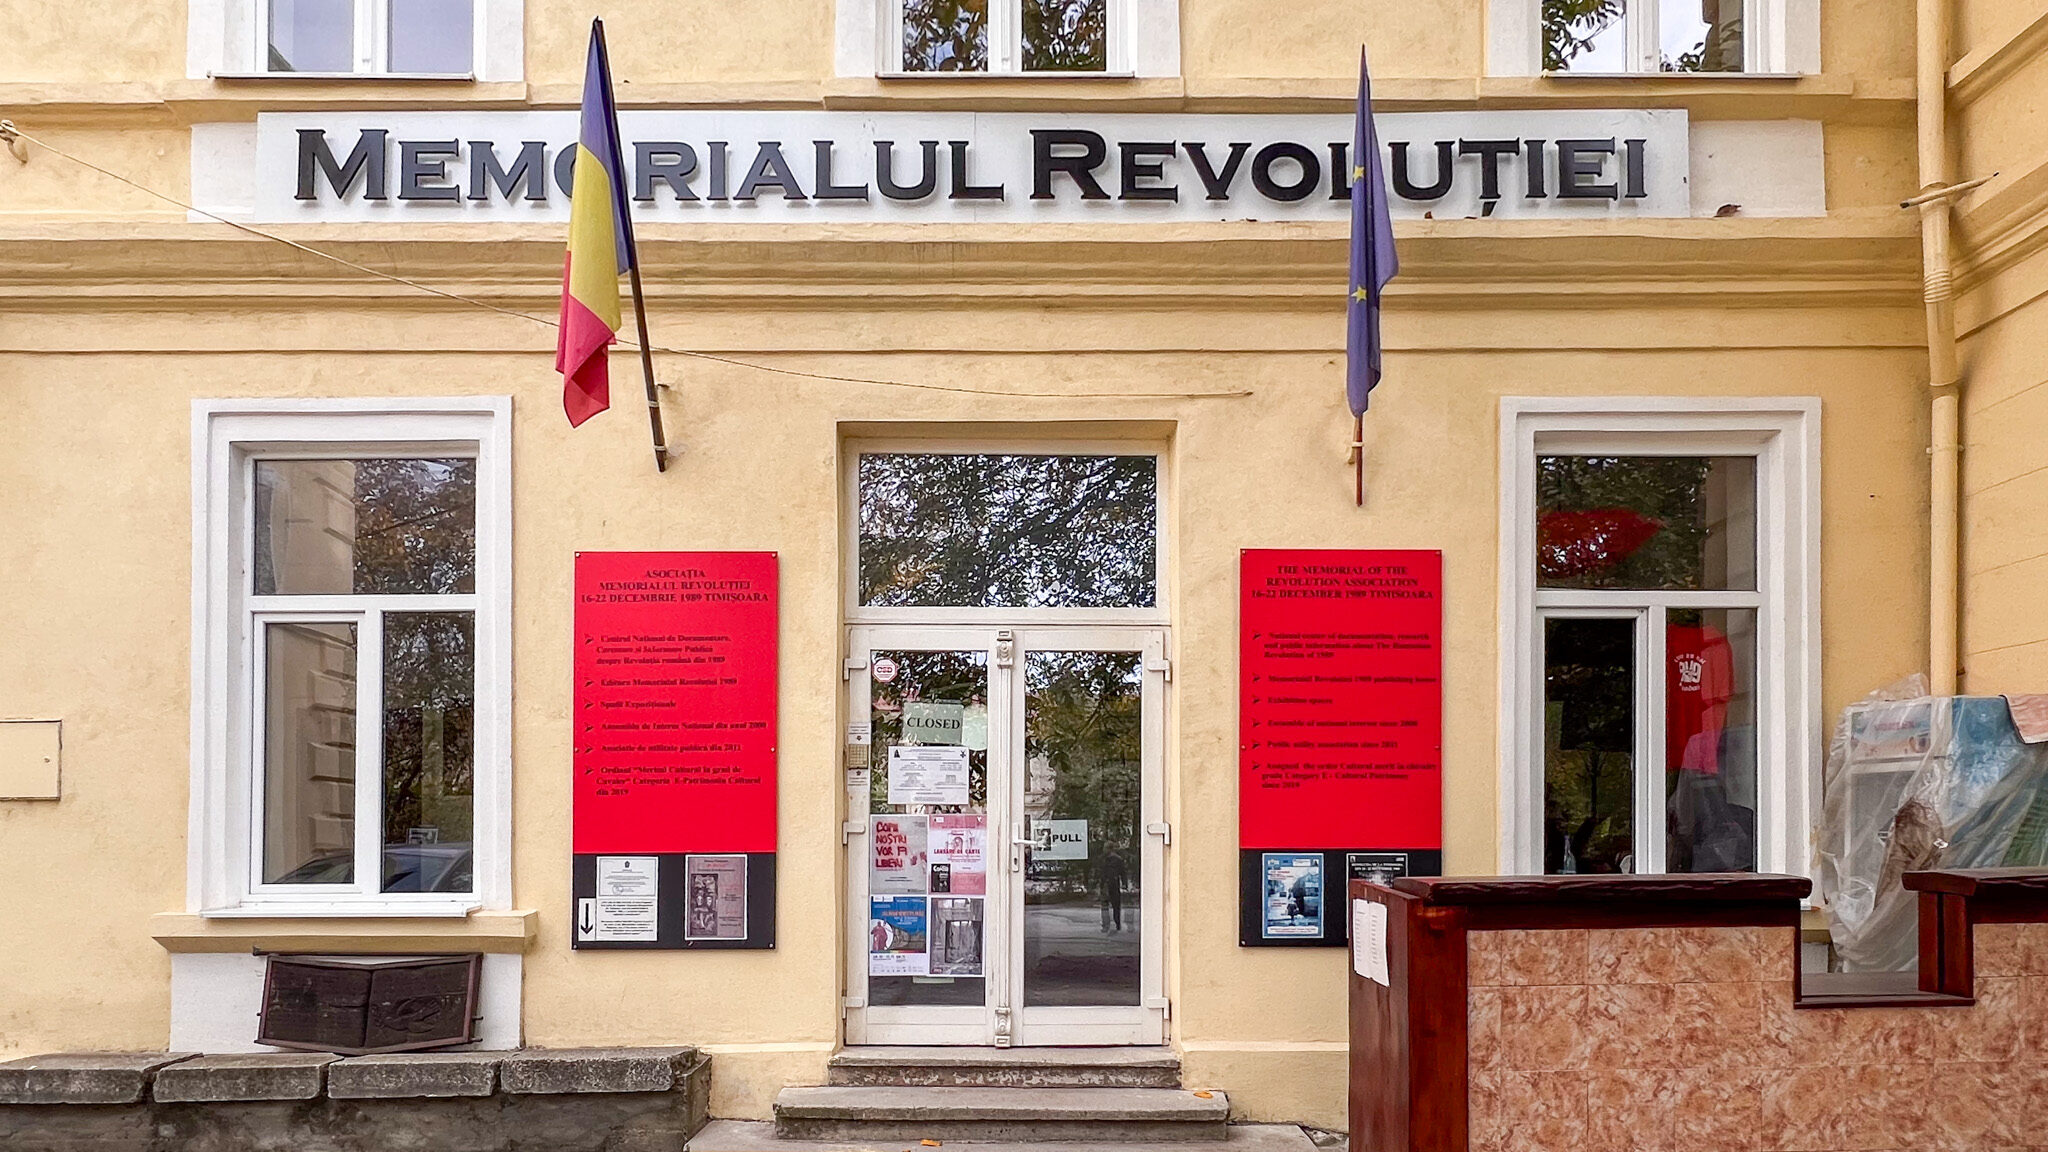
column 1006, row 1068
column 759, row 1136
column 1001, row 1115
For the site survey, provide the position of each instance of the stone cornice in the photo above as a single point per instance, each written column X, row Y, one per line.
column 1836, row 97
column 1974, row 76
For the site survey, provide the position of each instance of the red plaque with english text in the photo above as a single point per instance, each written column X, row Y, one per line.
column 1340, row 729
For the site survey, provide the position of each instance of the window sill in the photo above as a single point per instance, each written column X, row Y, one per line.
column 365, row 77
column 1680, row 77
column 345, row 909
column 968, row 77
column 1871, row 990
column 271, row 930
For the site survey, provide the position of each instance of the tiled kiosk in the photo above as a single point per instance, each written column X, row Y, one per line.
column 1632, row 1013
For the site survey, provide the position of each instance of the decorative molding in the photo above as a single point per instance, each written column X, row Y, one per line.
column 1973, row 77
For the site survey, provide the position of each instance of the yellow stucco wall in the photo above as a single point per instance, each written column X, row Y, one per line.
column 115, row 314
column 1997, row 83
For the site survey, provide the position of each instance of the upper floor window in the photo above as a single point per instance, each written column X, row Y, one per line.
column 1652, row 37
column 426, row 37
column 417, row 39
column 1050, row 38
column 1007, row 35
column 1643, row 36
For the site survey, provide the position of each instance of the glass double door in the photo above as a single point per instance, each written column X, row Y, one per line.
column 1005, row 836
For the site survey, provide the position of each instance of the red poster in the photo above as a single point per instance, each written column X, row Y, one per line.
column 1340, row 716
column 675, row 702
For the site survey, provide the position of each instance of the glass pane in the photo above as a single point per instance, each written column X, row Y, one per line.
column 429, row 751
column 1008, row 531
column 309, row 753
column 1066, row 35
column 1589, row 740
column 1585, row 36
column 1699, row 35
column 945, row 35
column 1666, row 522
column 336, row 527
column 1083, row 753
column 928, row 835
column 431, row 35
column 312, row 36
column 1710, row 740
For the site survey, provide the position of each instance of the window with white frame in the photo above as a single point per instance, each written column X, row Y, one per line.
column 424, row 37
column 1637, row 37
column 451, row 39
column 353, row 753
column 1659, row 637
column 1050, row 38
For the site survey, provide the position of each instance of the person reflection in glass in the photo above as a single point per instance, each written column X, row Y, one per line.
column 1112, row 877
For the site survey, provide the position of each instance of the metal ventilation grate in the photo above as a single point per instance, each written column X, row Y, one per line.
column 354, row 1005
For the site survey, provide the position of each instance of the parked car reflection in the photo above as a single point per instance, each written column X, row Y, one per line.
column 407, row 868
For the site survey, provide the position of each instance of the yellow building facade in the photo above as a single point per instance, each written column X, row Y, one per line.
column 1758, row 303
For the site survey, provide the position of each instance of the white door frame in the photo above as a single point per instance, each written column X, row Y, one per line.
column 1001, row 1020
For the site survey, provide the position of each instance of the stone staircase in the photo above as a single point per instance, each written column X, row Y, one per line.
column 1036, row 1098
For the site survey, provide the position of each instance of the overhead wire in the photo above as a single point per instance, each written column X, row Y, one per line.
column 9, row 132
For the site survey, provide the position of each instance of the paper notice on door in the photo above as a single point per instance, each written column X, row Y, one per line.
column 933, row 721
column 958, row 850
column 897, row 933
column 930, row 775
column 955, row 928
column 896, row 863
column 1369, row 940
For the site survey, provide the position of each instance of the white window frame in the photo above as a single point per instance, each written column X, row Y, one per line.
column 1156, row 615
column 1144, row 40
column 1783, row 434
column 229, row 40
column 223, row 868
column 1780, row 38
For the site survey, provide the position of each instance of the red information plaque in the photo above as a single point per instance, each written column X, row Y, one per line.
column 1340, row 733
column 674, row 702
column 1340, row 721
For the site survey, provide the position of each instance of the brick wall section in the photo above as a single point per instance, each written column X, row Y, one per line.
column 1642, row 1039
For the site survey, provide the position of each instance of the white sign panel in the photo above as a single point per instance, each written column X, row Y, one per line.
column 1059, row 839
column 788, row 167
column 936, row 775
column 628, row 892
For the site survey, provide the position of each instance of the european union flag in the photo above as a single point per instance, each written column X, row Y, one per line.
column 1373, row 262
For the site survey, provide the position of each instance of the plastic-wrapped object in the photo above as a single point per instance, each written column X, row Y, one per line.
column 1916, row 781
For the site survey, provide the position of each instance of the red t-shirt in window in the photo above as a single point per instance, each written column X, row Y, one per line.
column 1699, row 670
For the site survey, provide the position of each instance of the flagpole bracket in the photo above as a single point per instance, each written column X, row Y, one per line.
column 11, row 136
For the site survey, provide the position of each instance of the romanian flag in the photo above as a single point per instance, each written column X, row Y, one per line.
column 600, row 245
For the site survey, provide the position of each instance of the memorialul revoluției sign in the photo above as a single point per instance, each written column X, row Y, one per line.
column 838, row 167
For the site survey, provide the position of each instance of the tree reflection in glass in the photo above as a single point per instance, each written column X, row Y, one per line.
column 945, row 35
column 1066, row 35
column 1008, row 531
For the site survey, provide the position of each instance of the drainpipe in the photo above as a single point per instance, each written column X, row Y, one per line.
column 1944, row 606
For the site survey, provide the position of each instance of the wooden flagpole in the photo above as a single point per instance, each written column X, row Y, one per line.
column 647, row 371
column 1358, row 454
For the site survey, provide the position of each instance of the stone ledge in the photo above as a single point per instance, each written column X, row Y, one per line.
column 537, row 1071
column 414, row 1075
column 83, row 1077
column 259, row 1076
